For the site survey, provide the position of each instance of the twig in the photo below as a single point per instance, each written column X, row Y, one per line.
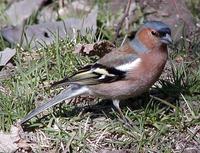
column 61, row 3
column 119, row 25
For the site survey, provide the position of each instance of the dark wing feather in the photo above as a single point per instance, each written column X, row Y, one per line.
column 94, row 74
column 103, row 71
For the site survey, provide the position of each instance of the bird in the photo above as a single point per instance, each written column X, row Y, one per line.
column 127, row 71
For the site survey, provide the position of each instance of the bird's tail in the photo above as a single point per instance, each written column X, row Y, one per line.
column 71, row 92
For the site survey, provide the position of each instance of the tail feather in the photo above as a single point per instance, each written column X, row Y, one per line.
column 70, row 92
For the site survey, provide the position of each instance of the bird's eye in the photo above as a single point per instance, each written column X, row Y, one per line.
column 162, row 34
column 154, row 33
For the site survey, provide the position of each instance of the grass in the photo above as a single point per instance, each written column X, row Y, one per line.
column 163, row 122
column 31, row 75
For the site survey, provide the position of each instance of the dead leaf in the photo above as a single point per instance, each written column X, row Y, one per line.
column 8, row 140
column 99, row 48
column 40, row 35
column 16, row 141
column 19, row 11
column 6, row 55
column 80, row 48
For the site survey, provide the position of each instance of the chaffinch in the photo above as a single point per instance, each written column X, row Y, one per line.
column 125, row 72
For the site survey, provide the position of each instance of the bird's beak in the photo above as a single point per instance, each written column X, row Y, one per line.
column 166, row 39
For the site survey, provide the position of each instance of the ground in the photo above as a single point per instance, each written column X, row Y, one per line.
column 166, row 119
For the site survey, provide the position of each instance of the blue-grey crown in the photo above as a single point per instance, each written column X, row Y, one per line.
column 158, row 26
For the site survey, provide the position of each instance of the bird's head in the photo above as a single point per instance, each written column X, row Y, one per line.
column 152, row 34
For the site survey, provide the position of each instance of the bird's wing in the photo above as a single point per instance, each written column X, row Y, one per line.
column 102, row 73
column 93, row 74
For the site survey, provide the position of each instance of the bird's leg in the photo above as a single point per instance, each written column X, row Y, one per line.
column 125, row 119
column 116, row 104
